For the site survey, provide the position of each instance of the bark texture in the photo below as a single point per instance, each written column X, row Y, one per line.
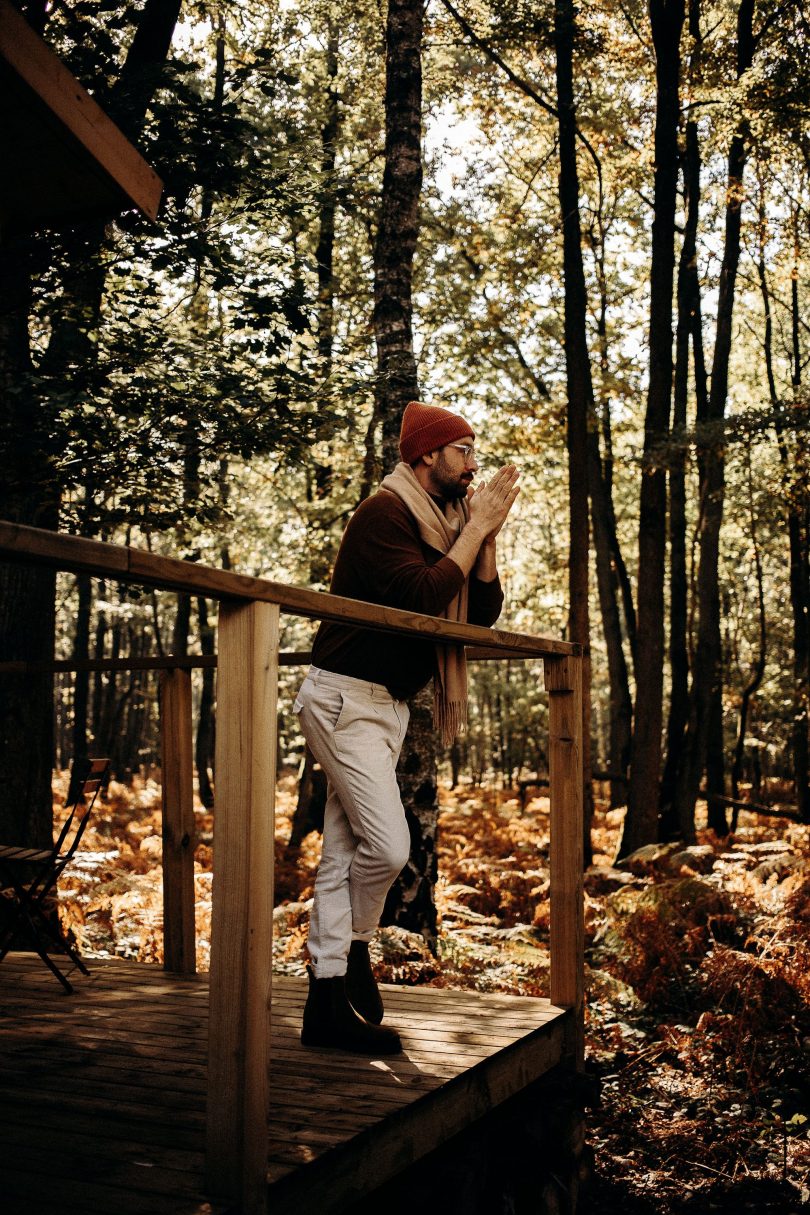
column 28, row 495
column 410, row 903
column 798, row 526
column 689, row 333
column 578, row 375
column 703, row 748
column 398, row 226
column 641, row 824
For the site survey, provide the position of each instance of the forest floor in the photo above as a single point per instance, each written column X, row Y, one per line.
column 698, row 976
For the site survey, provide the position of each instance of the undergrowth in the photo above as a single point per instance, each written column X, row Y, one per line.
column 698, row 975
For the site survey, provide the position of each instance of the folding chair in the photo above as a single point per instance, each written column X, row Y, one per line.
column 29, row 875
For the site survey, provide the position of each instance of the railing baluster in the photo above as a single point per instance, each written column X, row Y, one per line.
column 563, row 677
column 241, row 945
column 179, row 935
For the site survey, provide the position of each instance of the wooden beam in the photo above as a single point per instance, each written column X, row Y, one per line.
column 168, row 573
column 166, row 662
column 82, row 118
column 242, row 928
column 563, row 677
column 179, row 933
column 193, row 662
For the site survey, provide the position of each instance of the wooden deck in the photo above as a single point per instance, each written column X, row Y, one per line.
column 102, row 1094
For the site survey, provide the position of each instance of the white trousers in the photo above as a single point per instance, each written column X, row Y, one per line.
column 355, row 730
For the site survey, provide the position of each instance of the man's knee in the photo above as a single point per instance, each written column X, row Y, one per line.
column 385, row 855
column 395, row 852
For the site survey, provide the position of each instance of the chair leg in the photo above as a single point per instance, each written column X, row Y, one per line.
column 7, row 939
column 25, row 919
column 53, row 928
column 43, row 953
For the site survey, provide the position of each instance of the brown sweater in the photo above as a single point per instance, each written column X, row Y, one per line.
column 383, row 560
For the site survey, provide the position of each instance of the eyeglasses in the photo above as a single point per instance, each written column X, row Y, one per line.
column 466, row 449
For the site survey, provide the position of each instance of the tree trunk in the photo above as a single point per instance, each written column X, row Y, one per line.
column 758, row 672
column 800, row 573
column 204, row 743
column 410, row 902
column 621, row 704
column 81, row 682
column 311, row 802
column 578, row 377
column 797, row 521
column 611, row 572
column 689, row 329
column 398, row 229
column 327, row 205
column 28, row 495
column 798, row 525
column 27, row 614
column 641, row 824
column 98, row 653
column 705, row 717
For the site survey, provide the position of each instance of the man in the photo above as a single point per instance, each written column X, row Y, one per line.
column 425, row 542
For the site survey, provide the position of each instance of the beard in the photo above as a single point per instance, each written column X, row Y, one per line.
column 450, row 485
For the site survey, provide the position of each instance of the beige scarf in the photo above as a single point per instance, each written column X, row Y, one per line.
column 439, row 529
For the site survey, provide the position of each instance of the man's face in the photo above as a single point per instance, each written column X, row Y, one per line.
column 452, row 474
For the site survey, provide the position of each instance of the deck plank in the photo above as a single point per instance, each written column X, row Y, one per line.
column 107, row 1089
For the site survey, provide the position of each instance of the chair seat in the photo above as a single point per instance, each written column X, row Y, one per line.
column 9, row 853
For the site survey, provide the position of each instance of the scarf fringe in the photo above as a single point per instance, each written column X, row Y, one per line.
column 449, row 717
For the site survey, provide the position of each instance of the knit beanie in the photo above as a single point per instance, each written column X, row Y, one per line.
column 428, row 427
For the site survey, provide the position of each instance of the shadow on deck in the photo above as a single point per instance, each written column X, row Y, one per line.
column 103, row 1092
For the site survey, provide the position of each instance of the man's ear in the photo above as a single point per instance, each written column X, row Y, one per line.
column 429, row 457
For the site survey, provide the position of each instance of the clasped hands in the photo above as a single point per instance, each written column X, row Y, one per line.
column 492, row 501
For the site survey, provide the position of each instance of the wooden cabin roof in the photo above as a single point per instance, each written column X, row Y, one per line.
column 63, row 159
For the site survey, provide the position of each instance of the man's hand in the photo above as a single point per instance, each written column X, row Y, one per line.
column 492, row 501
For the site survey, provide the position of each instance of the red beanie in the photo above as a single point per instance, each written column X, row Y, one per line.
column 428, row 427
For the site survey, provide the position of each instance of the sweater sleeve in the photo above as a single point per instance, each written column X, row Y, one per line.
column 486, row 601
column 382, row 554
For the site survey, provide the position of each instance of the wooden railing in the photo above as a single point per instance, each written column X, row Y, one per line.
column 248, row 664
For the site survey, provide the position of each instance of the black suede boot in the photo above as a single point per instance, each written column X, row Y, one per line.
column 330, row 1020
column 361, row 986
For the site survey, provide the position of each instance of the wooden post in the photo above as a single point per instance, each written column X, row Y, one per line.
column 563, row 678
column 179, row 936
column 241, row 940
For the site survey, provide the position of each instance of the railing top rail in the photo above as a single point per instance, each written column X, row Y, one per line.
column 127, row 564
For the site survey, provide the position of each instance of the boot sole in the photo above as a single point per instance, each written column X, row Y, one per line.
column 378, row 1048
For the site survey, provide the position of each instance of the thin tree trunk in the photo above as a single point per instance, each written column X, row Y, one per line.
column 81, row 681
column 621, row 704
column 327, row 208
column 758, row 672
column 98, row 652
column 641, row 823
column 610, row 567
column 801, row 575
column 689, row 328
column 310, row 805
column 204, row 743
column 705, row 718
column 578, row 377
column 602, row 504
